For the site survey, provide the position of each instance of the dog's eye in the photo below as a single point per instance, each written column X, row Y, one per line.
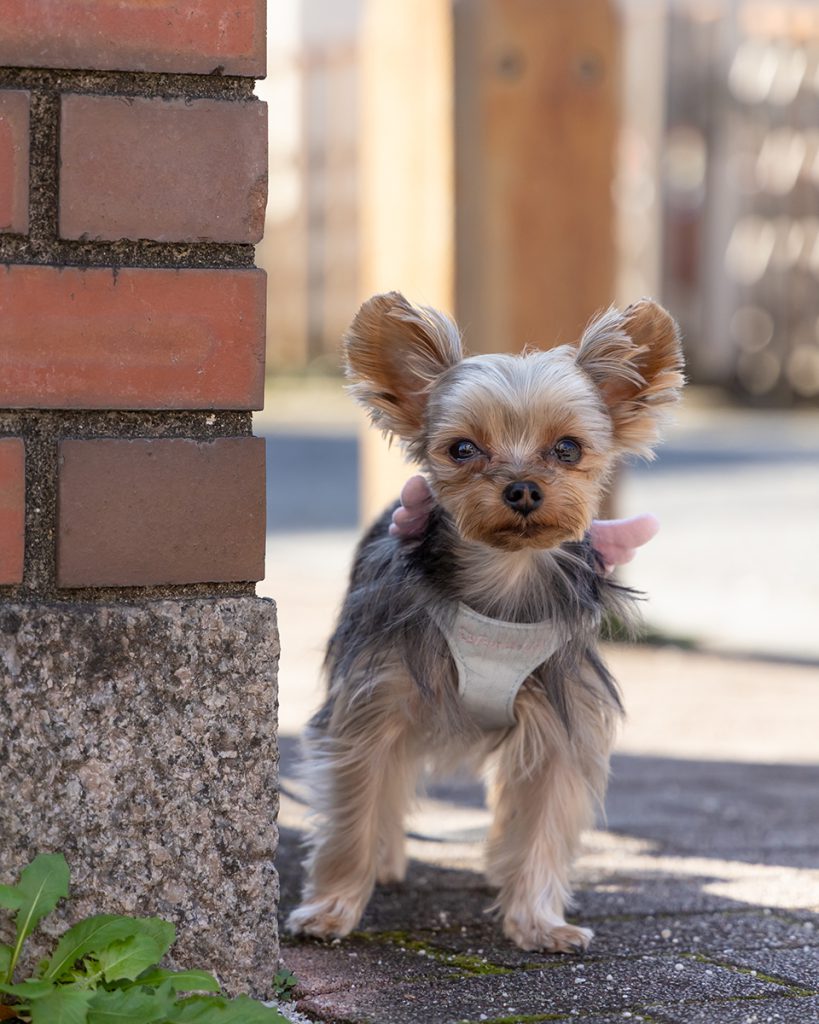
column 567, row 450
column 463, row 450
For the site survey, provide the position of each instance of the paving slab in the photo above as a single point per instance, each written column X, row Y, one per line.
column 798, row 966
column 792, row 1010
column 725, row 933
column 620, row 985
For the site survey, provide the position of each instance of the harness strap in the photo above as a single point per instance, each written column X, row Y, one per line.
column 494, row 659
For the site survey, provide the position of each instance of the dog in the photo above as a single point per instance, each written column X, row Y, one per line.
column 476, row 641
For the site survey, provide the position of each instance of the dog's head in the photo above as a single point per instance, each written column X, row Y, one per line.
column 518, row 449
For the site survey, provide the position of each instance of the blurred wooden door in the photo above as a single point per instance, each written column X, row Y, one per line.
column 536, row 130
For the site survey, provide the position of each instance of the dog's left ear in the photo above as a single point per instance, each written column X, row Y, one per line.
column 635, row 359
column 394, row 353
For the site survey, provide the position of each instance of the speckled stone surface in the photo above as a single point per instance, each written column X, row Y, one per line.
column 141, row 742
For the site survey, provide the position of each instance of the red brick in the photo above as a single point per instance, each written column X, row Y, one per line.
column 12, row 509
column 131, row 339
column 152, row 511
column 14, row 107
column 169, row 170
column 191, row 36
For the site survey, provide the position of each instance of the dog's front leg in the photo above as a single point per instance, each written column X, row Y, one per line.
column 543, row 796
column 359, row 772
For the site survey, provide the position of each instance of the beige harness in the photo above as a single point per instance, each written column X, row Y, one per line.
column 494, row 659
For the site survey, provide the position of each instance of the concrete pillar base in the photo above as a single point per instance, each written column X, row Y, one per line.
column 140, row 740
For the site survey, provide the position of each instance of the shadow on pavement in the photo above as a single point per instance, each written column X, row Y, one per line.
column 703, row 895
column 758, row 813
column 766, row 814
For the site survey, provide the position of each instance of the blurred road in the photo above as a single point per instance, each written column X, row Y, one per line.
column 735, row 566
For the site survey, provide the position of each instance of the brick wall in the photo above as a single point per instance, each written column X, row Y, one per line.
column 132, row 190
column 138, row 668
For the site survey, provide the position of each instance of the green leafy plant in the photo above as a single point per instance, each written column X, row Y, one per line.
column 284, row 982
column 104, row 968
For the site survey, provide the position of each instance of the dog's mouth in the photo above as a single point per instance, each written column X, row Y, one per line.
column 525, row 528
column 508, row 530
column 526, row 534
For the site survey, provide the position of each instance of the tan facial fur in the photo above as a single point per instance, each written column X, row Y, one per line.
column 515, row 409
column 607, row 394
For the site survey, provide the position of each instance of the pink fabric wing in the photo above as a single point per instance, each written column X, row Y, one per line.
column 616, row 540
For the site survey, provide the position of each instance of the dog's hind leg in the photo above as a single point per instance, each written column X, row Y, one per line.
column 351, row 770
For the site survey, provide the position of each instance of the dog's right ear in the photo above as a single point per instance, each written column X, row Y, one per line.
column 394, row 352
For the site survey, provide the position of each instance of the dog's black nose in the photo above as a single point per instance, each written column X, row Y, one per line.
column 523, row 496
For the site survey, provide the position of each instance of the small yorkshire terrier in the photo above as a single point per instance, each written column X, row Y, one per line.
column 477, row 641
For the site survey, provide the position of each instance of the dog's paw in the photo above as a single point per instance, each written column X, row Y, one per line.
column 332, row 917
column 546, row 936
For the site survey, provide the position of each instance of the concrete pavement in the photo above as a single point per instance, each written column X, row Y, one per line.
column 704, row 890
